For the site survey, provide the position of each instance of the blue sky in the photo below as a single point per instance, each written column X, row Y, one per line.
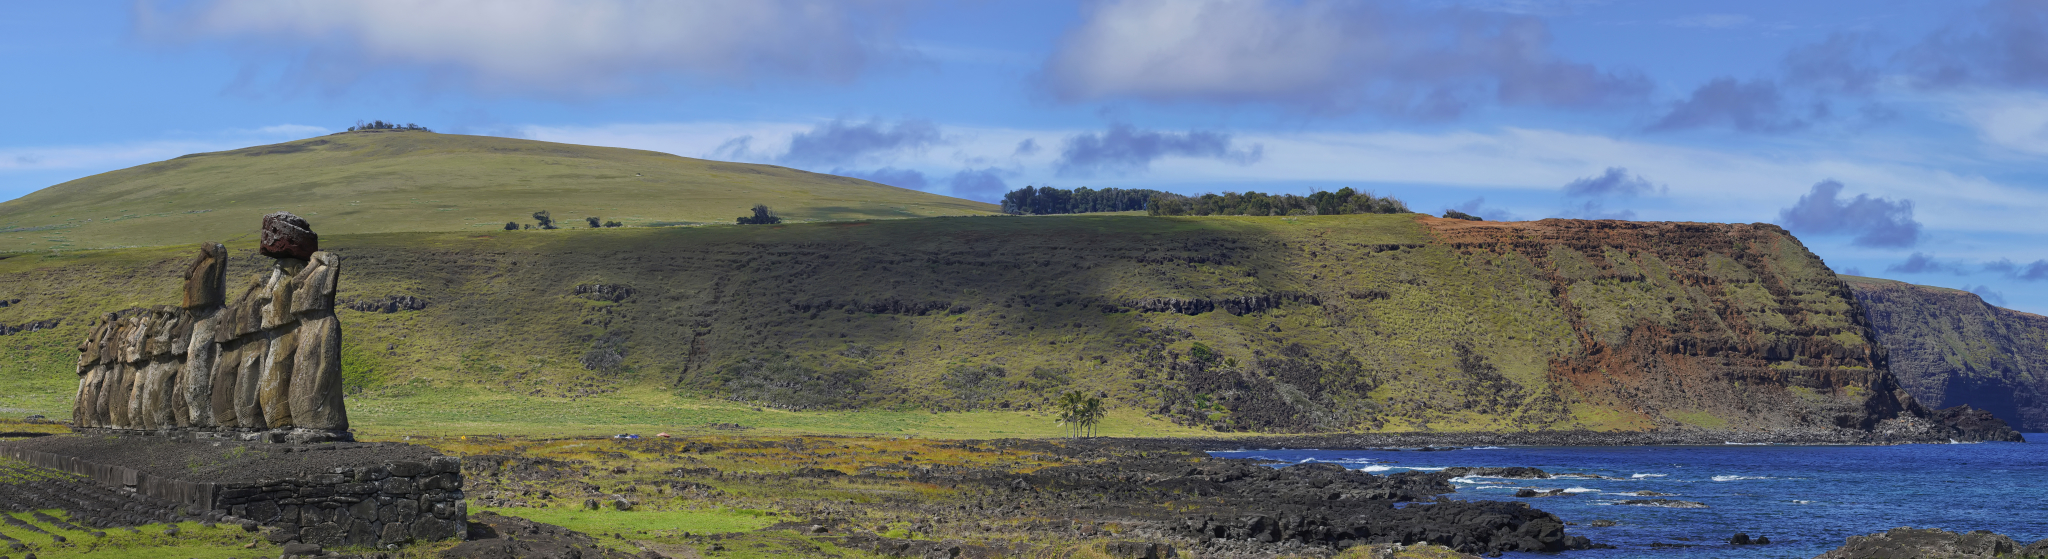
column 1899, row 139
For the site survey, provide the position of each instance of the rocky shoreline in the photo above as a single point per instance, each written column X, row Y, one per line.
column 1966, row 427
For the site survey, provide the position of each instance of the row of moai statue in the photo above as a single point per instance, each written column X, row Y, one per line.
column 271, row 361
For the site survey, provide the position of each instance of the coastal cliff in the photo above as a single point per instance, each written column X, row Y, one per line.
column 1315, row 324
column 1948, row 348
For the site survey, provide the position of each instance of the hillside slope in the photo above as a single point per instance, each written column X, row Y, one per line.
column 1948, row 347
column 388, row 181
column 1309, row 324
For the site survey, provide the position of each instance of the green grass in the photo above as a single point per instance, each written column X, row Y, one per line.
column 664, row 523
column 147, row 542
column 1363, row 340
column 384, row 181
column 458, row 411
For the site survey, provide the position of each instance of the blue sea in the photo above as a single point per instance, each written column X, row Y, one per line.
column 1807, row 499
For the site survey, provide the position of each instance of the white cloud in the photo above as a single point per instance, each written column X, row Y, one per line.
column 1323, row 55
column 2013, row 121
column 1704, row 184
column 557, row 46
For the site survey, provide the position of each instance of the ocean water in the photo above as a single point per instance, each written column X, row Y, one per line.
column 1807, row 499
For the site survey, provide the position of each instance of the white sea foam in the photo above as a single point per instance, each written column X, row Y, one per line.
column 1799, row 502
column 1733, row 443
column 1486, row 448
column 1382, row 468
column 1740, row 478
column 1641, row 476
column 1479, row 480
column 1581, row 490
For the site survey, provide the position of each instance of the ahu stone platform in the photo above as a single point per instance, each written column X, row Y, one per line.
column 360, row 494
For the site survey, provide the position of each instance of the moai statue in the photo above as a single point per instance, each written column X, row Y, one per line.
column 205, row 298
column 269, row 361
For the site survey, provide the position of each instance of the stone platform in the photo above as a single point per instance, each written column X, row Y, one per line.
column 367, row 494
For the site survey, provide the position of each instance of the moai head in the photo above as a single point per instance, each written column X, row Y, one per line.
column 206, row 280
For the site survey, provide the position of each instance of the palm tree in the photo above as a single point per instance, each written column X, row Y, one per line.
column 1091, row 413
column 1071, row 407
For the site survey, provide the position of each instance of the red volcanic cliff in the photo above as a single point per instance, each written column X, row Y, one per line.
column 1737, row 322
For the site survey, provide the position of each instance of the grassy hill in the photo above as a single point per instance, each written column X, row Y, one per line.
column 1948, row 347
column 968, row 326
column 382, row 181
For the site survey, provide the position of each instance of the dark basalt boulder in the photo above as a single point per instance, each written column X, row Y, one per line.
column 288, row 236
column 1927, row 543
column 1976, row 424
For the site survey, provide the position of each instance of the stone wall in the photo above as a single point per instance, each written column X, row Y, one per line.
column 269, row 362
column 388, row 504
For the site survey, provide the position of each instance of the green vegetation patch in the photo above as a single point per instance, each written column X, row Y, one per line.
column 398, row 180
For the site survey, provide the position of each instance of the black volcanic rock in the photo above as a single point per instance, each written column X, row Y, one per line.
column 1976, row 424
column 1924, row 543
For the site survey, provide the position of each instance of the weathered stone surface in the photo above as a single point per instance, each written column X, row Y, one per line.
column 430, row 529
column 324, row 533
column 196, row 381
column 446, row 465
column 151, row 404
column 275, row 380
column 80, row 410
column 313, row 287
column 288, row 236
column 316, row 375
column 405, row 468
column 248, row 383
column 226, row 365
column 278, row 311
column 394, row 534
column 246, row 316
column 206, row 280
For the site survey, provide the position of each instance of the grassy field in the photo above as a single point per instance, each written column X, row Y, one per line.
column 458, row 411
column 384, row 181
column 969, row 326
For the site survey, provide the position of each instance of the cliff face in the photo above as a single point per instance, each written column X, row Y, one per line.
column 1700, row 323
column 1309, row 324
column 1948, row 348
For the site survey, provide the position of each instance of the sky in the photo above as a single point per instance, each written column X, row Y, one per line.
column 1902, row 139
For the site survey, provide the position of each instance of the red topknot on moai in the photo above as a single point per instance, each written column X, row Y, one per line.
column 267, row 366
column 288, row 236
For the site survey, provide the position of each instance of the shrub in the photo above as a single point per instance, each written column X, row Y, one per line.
column 1455, row 214
column 594, row 223
column 546, row 221
column 974, row 384
column 762, row 216
column 1343, row 201
column 778, row 380
column 511, row 226
column 381, row 125
column 1046, row 200
column 614, row 224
